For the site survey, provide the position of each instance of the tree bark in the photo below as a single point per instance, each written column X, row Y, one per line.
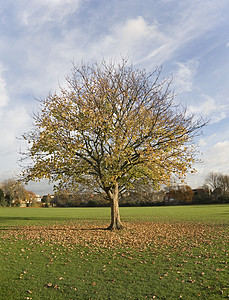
column 115, row 216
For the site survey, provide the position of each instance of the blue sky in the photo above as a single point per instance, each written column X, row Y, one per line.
column 39, row 39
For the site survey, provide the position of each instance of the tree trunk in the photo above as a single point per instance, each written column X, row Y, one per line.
column 115, row 216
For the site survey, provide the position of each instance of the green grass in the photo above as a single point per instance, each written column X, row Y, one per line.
column 41, row 216
column 58, row 253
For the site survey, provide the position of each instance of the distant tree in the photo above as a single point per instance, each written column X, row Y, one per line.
column 65, row 199
column 112, row 125
column 212, row 181
column 14, row 191
column 46, row 199
column 217, row 181
column 223, row 183
column 8, row 188
column 202, row 195
column 181, row 193
column 31, row 197
column 141, row 193
column 186, row 193
column 2, row 198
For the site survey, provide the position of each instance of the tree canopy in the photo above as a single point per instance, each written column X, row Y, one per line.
column 111, row 125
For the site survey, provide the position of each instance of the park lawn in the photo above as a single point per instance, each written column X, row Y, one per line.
column 163, row 253
column 17, row 216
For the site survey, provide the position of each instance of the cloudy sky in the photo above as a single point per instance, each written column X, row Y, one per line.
column 39, row 39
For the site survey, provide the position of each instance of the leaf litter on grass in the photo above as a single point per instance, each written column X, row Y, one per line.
column 137, row 235
column 175, row 244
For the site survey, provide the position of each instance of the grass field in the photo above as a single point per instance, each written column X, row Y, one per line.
column 163, row 253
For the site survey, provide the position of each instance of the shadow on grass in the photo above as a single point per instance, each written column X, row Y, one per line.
column 17, row 228
column 36, row 218
column 46, row 223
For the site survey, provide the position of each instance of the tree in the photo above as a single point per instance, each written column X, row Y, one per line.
column 211, row 181
column 181, row 193
column 46, row 200
column 65, row 199
column 14, row 191
column 223, row 183
column 112, row 125
column 141, row 194
column 31, row 197
column 202, row 195
column 2, row 198
column 218, row 181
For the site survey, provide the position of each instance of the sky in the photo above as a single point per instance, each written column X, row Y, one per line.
column 40, row 39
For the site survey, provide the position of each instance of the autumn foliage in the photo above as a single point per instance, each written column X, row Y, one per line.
column 113, row 124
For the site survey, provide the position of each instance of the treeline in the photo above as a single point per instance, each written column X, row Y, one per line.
column 215, row 190
column 85, row 199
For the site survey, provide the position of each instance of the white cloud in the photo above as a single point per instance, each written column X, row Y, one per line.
column 3, row 89
column 37, row 13
column 211, row 109
column 135, row 30
column 202, row 142
column 222, row 146
column 227, row 45
column 41, row 188
column 128, row 38
column 184, row 76
column 215, row 159
column 13, row 123
column 193, row 19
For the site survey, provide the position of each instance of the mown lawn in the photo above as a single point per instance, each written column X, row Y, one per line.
column 163, row 253
column 46, row 216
